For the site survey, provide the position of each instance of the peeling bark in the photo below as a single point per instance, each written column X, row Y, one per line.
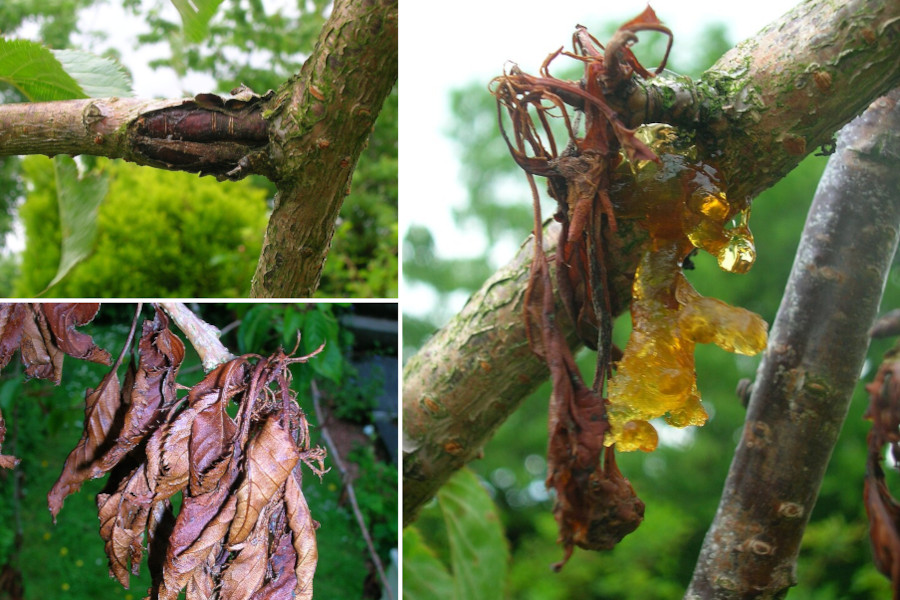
column 816, row 350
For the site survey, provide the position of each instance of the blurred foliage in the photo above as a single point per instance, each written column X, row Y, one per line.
column 681, row 481
column 44, row 422
column 181, row 236
column 246, row 44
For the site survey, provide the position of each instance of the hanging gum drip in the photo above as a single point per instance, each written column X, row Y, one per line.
column 682, row 205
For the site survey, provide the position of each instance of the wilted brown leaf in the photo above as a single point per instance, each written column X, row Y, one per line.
column 40, row 355
column 199, row 530
column 881, row 508
column 101, row 408
column 152, row 391
column 303, row 531
column 244, row 575
column 12, row 321
column 282, row 580
column 270, row 457
column 123, row 518
column 63, row 319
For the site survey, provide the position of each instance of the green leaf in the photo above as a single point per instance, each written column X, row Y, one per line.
column 33, row 70
column 254, row 329
column 321, row 326
column 293, row 322
column 79, row 199
column 99, row 77
column 478, row 548
column 424, row 576
column 195, row 16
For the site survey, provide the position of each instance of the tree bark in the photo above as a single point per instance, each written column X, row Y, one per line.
column 749, row 105
column 815, row 353
column 321, row 124
column 307, row 137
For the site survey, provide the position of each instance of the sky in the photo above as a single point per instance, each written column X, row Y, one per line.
column 471, row 40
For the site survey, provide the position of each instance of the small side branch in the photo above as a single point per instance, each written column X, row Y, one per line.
column 202, row 336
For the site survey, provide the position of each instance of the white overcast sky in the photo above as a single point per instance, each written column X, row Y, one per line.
column 470, row 40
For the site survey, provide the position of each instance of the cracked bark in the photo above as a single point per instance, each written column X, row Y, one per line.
column 749, row 104
column 306, row 137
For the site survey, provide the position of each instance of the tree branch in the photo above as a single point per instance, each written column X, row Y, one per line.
column 204, row 135
column 749, row 104
column 202, row 336
column 320, row 125
column 816, row 350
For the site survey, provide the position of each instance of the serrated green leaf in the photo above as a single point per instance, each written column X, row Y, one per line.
column 478, row 548
column 79, row 199
column 424, row 576
column 321, row 326
column 195, row 16
column 99, row 77
column 33, row 70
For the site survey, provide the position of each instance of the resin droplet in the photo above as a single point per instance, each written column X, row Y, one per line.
column 682, row 204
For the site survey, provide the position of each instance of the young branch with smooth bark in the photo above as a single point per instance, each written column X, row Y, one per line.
column 760, row 94
column 815, row 354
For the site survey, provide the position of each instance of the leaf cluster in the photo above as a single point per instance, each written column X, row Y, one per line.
column 243, row 526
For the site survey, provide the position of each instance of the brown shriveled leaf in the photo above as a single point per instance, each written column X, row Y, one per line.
column 12, row 322
column 6, row 461
column 63, row 318
column 199, row 530
column 303, row 532
column 595, row 505
column 202, row 585
column 101, row 409
column 124, row 516
column 283, row 580
column 153, row 389
column 244, row 575
column 40, row 355
column 882, row 509
column 213, row 433
column 270, row 457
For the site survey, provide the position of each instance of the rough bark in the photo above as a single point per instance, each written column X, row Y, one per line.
column 805, row 381
column 749, row 104
column 321, row 124
column 307, row 137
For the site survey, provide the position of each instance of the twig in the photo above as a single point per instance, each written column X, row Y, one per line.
column 202, row 336
column 351, row 494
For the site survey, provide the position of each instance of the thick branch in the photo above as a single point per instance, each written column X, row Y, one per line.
column 815, row 353
column 321, row 120
column 776, row 97
column 763, row 88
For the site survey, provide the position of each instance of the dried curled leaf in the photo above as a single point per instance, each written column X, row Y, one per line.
column 239, row 477
column 152, row 390
column 270, row 458
column 100, row 412
column 303, row 532
column 63, row 319
column 595, row 505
